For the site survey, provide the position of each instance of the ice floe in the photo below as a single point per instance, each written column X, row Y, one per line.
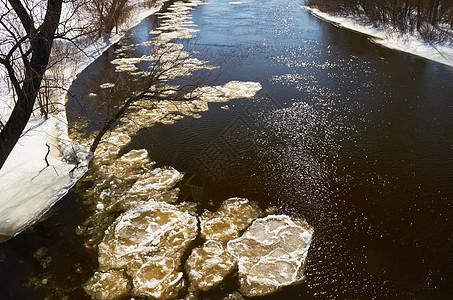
column 271, row 254
column 209, row 264
column 147, row 243
column 109, row 285
column 107, row 85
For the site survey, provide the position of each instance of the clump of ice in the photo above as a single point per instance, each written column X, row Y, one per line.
column 271, row 254
column 147, row 243
column 233, row 216
column 107, row 85
column 124, row 183
column 228, row 91
column 209, row 264
column 158, row 278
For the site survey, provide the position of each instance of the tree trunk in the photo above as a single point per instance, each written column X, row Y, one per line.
column 41, row 45
column 114, row 14
column 434, row 12
column 419, row 15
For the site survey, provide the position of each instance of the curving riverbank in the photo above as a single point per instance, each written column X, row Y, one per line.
column 404, row 42
column 45, row 164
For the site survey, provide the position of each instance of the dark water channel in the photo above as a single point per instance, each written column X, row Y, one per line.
column 356, row 138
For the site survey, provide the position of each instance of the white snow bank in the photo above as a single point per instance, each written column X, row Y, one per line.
column 28, row 187
column 409, row 43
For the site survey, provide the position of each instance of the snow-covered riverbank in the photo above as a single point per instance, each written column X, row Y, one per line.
column 45, row 164
column 405, row 42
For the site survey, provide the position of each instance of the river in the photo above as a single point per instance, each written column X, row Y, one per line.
column 355, row 138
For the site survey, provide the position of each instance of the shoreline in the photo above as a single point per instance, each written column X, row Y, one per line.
column 407, row 43
column 41, row 184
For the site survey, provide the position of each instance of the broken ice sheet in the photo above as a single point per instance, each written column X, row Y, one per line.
column 271, row 254
column 150, row 229
column 209, row 264
column 108, row 285
column 147, row 243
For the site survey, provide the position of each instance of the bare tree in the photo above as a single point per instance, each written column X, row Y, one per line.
column 25, row 55
column 28, row 31
column 106, row 14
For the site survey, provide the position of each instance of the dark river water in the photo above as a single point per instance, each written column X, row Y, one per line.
column 356, row 138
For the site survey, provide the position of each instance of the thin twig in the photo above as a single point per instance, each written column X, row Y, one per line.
column 48, row 151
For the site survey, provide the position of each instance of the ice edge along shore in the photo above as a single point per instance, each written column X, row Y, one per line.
column 29, row 186
column 407, row 43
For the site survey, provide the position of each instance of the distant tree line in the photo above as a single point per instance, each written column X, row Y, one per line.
column 433, row 19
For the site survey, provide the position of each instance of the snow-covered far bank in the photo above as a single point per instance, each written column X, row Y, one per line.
column 407, row 42
column 45, row 164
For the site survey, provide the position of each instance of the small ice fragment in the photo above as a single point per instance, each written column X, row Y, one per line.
column 107, row 85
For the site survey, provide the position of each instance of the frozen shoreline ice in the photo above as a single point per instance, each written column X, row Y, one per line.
column 29, row 188
column 408, row 43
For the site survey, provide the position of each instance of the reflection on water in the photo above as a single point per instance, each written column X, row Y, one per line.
column 354, row 137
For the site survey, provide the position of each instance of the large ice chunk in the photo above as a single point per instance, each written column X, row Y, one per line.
column 148, row 243
column 271, row 254
column 208, row 265
column 159, row 278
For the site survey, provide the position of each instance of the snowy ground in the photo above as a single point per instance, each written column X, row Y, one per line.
column 410, row 43
column 28, row 185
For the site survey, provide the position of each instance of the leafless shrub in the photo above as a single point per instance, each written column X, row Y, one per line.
column 424, row 16
column 106, row 15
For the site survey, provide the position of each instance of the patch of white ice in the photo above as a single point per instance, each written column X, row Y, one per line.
column 109, row 285
column 233, row 216
column 271, row 254
column 208, row 265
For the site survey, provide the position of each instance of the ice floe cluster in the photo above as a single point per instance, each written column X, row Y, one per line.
column 151, row 245
column 142, row 252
